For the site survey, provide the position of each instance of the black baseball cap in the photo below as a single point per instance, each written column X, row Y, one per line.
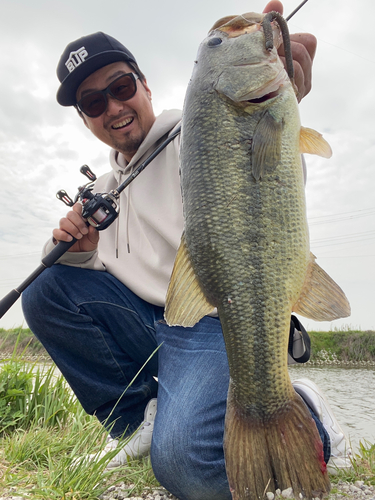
column 84, row 56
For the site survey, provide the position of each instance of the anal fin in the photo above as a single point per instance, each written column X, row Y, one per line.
column 186, row 303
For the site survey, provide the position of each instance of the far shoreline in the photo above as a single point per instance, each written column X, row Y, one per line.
column 337, row 348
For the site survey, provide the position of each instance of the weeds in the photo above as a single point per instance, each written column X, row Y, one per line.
column 51, row 463
column 363, row 466
column 29, row 395
column 43, row 433
column 352, row 346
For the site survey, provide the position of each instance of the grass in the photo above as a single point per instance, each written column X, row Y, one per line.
column 43, row 428
column 39, row 462
column 363, row 467
column 347, row 346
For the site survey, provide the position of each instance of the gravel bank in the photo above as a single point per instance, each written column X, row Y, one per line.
column 359, row 491
column 340, row 491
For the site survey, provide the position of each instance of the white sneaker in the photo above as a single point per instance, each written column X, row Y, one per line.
column 139, row 444
column 340, row 447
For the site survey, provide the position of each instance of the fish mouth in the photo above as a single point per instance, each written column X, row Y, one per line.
column 269, row 90
column 265, row 97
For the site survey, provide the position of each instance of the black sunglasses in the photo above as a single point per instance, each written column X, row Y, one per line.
column 122, row 89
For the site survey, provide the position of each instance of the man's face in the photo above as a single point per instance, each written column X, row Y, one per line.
column 124, row 124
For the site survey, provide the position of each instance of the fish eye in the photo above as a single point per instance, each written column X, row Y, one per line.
column 214, row 42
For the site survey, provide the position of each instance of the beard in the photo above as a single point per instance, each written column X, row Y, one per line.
column 129, row 145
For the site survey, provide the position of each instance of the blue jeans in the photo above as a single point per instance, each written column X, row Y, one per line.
column 100, row 335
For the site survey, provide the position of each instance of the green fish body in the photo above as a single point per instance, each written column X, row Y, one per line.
column 245, row 251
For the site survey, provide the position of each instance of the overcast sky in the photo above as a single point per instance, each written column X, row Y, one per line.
column 42, row 145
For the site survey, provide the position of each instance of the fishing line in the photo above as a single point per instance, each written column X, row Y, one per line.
column 371, row 209
column 335, row 46
column 346, row 50
column 324, row 41
column 345, row 237
column 345, row 256
column 14, row 256
column 342, row 243
column 339, row 219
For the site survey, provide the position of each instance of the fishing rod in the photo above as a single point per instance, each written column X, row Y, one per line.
column 296, row 10
column 99, row 210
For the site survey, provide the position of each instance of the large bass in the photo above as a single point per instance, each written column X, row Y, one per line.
column 245, row 249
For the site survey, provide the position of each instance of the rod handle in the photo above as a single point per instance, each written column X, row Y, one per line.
column 7, row 302
column 57, row 252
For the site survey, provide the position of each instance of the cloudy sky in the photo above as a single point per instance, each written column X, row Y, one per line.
column 42, row 145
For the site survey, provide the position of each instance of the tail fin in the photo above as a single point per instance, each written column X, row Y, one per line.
column 281, row 451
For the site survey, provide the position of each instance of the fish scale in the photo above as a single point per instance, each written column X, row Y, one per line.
column 243, row 235
column 245, row 251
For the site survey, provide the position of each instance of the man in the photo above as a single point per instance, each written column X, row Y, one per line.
column 100, row 314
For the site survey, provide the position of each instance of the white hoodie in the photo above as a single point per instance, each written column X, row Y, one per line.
column 139, row 248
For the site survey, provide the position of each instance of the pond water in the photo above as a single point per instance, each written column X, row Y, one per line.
column 351, row 395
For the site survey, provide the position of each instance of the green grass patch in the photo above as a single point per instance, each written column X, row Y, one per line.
column 352, row 345
column 44, row 430
column 363, row 466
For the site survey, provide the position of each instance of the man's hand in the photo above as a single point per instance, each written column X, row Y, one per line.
column 303, row 50
column 74, row 225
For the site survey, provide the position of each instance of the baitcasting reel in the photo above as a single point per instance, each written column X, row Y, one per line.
column 99, row 209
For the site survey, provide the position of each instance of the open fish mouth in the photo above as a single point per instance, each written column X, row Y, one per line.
column 266, row 91
column 264, row 98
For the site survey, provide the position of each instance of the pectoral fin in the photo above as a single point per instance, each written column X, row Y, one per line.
column 312, row 142
column 266, row 146
column 321, row 298
column 186, row 303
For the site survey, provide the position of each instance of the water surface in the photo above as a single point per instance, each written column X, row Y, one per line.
column 351, row 395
